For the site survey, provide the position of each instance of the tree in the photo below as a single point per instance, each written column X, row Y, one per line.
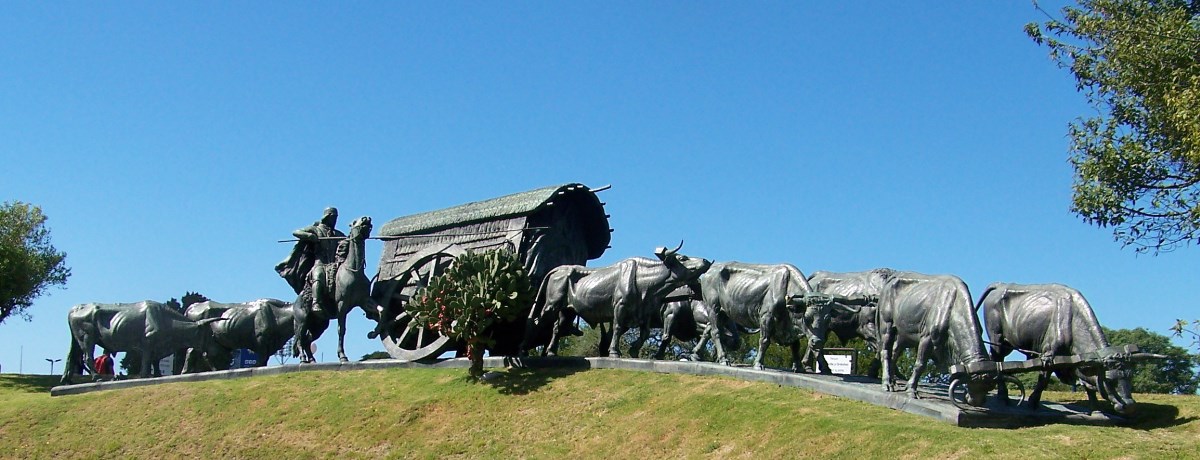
column 1172, row 375
column 376, row 355
column 1137, row 162
column 28, row 262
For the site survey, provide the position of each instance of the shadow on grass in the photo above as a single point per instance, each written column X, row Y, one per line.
column 1148, row 416
column 22, row 383
column 526, row 375
column 521, row 381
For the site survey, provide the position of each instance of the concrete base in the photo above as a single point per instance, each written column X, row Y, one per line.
column 934, row 402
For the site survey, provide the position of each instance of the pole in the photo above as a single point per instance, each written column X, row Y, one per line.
column 52, row 361
column 400, row 237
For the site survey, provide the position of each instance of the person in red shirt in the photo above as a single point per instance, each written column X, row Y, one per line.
column 104, row 365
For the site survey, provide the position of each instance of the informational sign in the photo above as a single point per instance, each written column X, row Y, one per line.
column 166, row 365
column 840, row 364
column 244, row 358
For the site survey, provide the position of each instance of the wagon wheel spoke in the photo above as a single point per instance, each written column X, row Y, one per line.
column 404, row 335
column 402, row 315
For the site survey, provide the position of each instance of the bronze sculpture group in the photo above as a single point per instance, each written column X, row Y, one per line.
column 892, row 311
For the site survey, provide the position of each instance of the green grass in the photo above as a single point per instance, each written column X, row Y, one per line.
column 433, row 413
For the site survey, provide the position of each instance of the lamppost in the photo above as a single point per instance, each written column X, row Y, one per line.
column 52, row 361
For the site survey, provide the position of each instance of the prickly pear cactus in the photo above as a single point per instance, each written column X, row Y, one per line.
column 475, row 292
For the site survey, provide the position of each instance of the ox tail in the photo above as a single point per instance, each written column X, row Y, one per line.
column 539, row 299
column 73, row 362
column 979, row 304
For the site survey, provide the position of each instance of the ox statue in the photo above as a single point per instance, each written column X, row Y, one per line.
column 935, row 314
column 263, row 326
column 627, row 294
column 848, row 324
column 774, row 299
column 152, row 328
column 687, row 320
column 1047, row 320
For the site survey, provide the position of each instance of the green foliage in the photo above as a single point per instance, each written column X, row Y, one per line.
column 28, row 262
column 478, row 290
column 1192, row 330
column 1175, row 375
column 1137, row 162
column 376, row 355
column 586, row 345
column 131, row 362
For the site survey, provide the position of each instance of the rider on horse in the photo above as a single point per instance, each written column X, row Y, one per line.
column 305, row 269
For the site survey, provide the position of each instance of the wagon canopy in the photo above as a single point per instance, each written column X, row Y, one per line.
column 547, row 227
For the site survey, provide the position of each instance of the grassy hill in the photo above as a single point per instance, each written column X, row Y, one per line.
column 436, row 413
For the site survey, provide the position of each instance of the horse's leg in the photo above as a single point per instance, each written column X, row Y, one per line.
column 343, row 309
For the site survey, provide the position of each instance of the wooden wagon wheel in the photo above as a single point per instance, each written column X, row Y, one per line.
column 402, row 338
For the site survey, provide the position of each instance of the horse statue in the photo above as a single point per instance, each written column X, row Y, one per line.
column 336, row 293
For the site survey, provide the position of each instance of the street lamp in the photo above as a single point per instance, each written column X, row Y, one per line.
column 52, row 361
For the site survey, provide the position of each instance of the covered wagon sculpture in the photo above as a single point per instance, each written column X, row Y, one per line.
column 546, row 228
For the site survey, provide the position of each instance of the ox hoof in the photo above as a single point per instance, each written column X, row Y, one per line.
column 372, row 335
column 912, row 394
column 343, row 359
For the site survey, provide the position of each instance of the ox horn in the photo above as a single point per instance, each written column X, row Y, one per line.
column 677, row 248
column 663, row 251
column 1147, row 356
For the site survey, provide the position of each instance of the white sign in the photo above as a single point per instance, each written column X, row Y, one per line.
column 840, row 364
column 166, row 363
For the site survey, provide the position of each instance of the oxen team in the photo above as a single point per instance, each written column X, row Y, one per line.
column 892, row 311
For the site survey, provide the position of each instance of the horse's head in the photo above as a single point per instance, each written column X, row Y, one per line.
column 360, row 228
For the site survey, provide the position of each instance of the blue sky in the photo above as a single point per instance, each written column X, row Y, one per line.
column 172, row 145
